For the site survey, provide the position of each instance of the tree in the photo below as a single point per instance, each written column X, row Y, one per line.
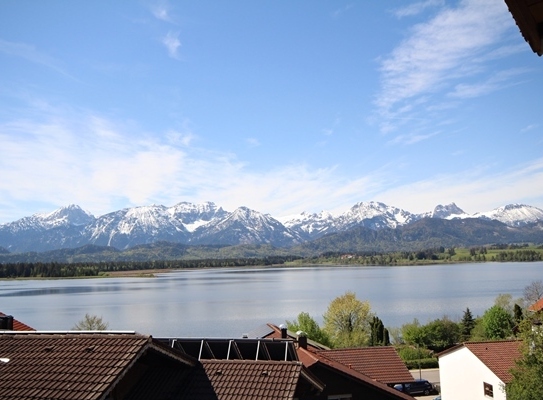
column 379, row 334
column 533, row 292
column 497, row 323
column 91, row 323
column 526, row 383
column 313, row 331
column 467, row 324
column 517, row 314
column 347, row 321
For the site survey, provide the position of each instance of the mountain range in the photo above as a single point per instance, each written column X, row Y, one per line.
column 366, row 225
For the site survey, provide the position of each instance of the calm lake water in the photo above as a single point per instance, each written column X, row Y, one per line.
column 230, row 302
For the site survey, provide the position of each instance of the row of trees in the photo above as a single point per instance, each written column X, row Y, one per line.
column 62, row 270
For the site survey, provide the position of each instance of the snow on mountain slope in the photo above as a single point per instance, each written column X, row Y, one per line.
column 245, row 226
column 194, row 216
column 374, row 215
column 514, row 214
column 136, row 225
column 449, row 211
column 311, row 225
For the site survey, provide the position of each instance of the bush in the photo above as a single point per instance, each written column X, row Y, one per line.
column 425, row 363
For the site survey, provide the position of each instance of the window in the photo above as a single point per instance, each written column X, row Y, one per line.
column 489, row 390
column 340, row 397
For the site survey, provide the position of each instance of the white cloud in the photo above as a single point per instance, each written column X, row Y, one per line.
column 452, row 46
column 172, row 43
column 417, row 8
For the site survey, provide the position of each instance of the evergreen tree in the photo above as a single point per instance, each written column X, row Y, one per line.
column 467, row 324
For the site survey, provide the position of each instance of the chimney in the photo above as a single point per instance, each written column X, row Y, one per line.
column 6, row 323
column 283, row 328
column 302, row 339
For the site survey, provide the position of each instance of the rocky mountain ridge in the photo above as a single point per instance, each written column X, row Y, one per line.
column 209, row 224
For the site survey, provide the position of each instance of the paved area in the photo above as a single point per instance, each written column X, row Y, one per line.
column 431, row 375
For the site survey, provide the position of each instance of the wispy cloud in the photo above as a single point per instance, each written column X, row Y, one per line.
column 417, row 8
column 340, row 11
column 474, row 190
column 451, row 47
column 161, row 11
column 172, row 43
column 253, row 142
column 64, row 155
column 32, row 54
column 495, row 82
column 411, row 138
column 529, row 128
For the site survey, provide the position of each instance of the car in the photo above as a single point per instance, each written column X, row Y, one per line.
column 437, row 398
column 420, row 386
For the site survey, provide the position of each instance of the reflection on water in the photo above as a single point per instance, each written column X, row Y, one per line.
column 229, row 302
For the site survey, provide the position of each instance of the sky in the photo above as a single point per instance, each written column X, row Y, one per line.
column 279, row 106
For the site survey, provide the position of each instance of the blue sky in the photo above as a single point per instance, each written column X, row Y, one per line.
column 279, row 106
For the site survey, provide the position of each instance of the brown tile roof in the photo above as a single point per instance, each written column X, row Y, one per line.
column 72, row 365
column 243, row 379
column 498, row 356
column 381, row 362
column 528, row 14
column 18, row 325
column 317, row 359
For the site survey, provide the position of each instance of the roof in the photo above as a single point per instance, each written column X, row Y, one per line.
column 528, row 14
column 274, row 332
column 380, row 362
column 72, row 365
column 235, row 349
column 18, row 325
column 244, row 379
column 498, row 356
column 537, row 306
column 316, row 359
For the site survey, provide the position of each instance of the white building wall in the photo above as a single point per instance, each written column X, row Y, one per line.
column 462, row 374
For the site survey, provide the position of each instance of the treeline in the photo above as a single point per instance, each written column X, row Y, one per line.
column 498, row 253
column 65, row 270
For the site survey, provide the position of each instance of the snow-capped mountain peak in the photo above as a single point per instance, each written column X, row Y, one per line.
column 448, row 211
column 514, row 214
column 65, row 216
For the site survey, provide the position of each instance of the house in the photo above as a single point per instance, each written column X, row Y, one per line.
column 477, row 370
column 528, row 14
column 537, row 306
column 8, row 323
column 111, row 365
column 88, row 366
column 344, row 373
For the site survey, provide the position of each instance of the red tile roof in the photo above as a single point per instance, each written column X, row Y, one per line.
column 72, row 365
column 537, row 306
column 18, row 325
column 498, row 356
column 381, row 362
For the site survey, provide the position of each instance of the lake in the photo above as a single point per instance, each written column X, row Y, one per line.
column 231, row 301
